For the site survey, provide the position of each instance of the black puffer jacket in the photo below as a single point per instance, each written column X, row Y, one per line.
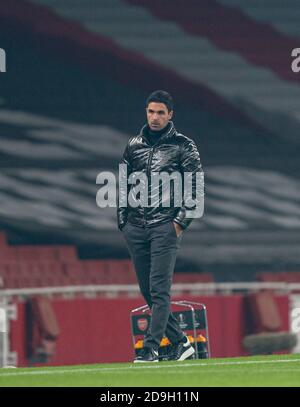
column 172, row 152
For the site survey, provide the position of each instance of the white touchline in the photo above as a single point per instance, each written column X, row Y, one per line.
column 133, row 367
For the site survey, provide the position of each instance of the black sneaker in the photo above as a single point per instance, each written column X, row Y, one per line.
column 147, row 355
column 182, row 350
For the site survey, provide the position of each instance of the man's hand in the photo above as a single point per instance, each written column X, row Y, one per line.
column 178, row 229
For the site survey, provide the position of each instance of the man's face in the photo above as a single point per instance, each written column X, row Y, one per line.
column 158, row 115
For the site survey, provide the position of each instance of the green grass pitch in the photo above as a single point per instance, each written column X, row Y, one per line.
column 279, row 370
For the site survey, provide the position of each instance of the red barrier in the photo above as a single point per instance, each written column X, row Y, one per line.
column 98, row 330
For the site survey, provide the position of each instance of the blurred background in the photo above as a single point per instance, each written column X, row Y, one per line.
column 77, row 76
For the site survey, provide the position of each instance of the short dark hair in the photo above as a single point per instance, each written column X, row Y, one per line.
column 160, row 96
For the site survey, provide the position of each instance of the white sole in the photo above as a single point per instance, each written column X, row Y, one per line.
column 189, row 352
column 145, row 361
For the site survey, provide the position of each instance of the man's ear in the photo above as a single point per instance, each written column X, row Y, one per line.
column 170, row 114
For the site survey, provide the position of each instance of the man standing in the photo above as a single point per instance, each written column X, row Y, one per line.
column 153, row 230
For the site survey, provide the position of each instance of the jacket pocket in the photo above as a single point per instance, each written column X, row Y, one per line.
column 174, row 230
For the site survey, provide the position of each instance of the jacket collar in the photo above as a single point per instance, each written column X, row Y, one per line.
column 164, row 136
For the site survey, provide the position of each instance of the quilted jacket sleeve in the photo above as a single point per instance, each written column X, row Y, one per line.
column 122, row 211
column 194, row 177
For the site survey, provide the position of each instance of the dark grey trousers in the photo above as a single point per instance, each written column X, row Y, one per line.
column 153, row 251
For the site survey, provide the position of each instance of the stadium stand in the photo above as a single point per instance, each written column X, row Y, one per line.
column 74, row 92
column 287, row 276
column 26, row 266
column 235, row 101
column 193, row 278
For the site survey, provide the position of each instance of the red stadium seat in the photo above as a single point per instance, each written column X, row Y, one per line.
column 26, row 266
column 27, row 253
column 121, row 272
column 3, row 274
column 290, row 276
column 96, row 271
column 42, row 252
column 66, row 253
column 74, row 273
column 8, row 253
column 189, row 278
column 285, row 277
column 46, row 252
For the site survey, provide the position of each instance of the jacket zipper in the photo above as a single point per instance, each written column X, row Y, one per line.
column 148, row 174
column 147, row 171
